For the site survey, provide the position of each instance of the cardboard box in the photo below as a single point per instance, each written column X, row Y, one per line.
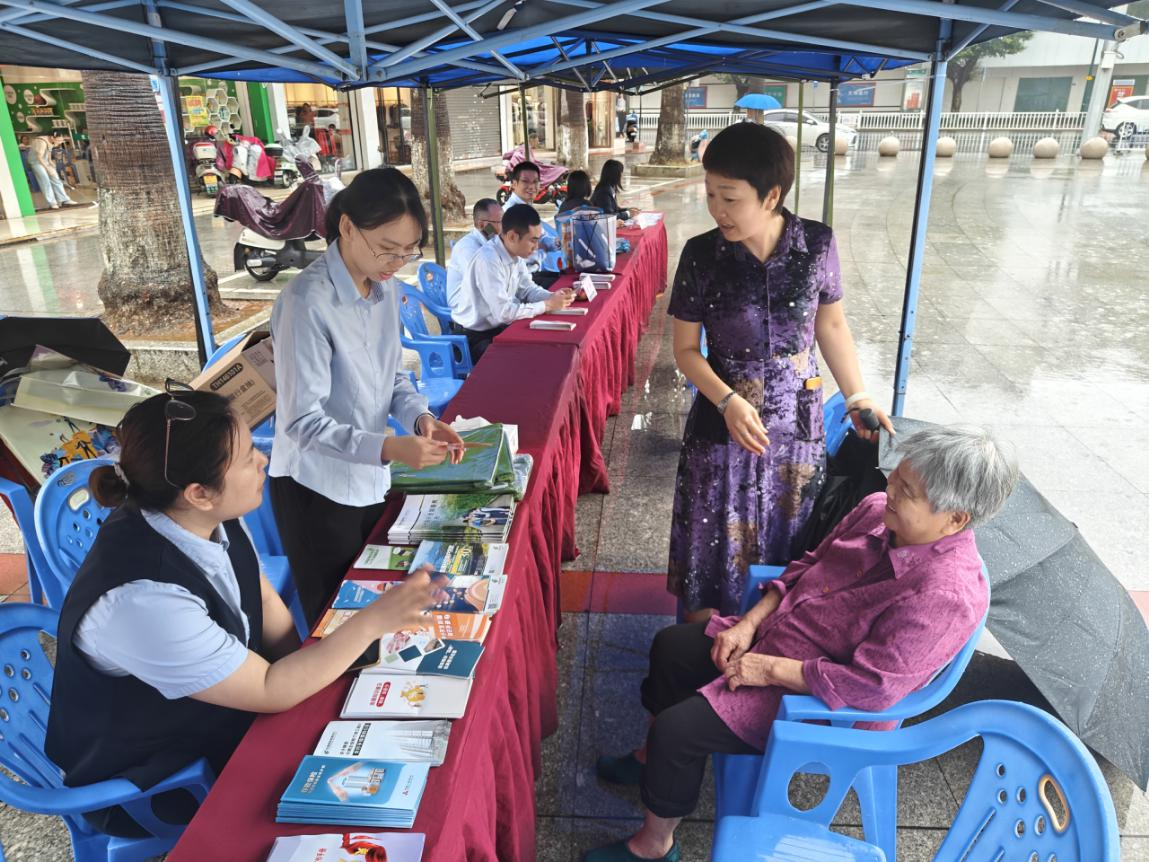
column 245, row 376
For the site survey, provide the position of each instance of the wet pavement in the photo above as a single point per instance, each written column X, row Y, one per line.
column 1033, row 320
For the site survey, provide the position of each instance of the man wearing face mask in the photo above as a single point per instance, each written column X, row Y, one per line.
column 497, row 290
column 488, row 216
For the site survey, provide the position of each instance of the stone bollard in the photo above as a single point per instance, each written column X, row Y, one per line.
column 1046, row 148
column 841, row 146
column 889, row 146
column 1000, row 148
column 946, row 148
column 1094, row 148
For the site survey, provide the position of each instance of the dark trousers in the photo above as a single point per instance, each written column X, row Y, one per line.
column 545, row 279
column 478, row 340
column 686, row 729
column 322, row 539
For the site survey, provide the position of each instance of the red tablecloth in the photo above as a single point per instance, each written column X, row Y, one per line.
column 607, row 337
column 480, row 804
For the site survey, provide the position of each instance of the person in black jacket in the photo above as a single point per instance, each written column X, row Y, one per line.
column 605, row 195
column 170, row 638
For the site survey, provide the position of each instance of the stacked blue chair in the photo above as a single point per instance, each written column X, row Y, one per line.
column 23, row 722
column 736, row 775
column 433, row 283
column 18, row 500
column 1036, row 795
column 411, row 305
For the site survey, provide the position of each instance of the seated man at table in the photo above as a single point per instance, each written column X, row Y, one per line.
column 497, row 290
column 888, row 599
column 488, row 218
column 524, row 189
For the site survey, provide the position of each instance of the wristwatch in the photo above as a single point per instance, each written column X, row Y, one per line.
column 722, row 405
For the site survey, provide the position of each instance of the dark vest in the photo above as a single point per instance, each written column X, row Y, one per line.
column 103, row 726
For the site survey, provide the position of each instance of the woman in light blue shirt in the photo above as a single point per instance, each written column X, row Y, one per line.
column 339, row 378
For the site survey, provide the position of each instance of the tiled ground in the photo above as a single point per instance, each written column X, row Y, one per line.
column 1033, row 320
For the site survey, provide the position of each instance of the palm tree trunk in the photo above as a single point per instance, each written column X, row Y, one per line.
column 574, row 144
column 453, row 201
column 146, row 285
column 670, row 142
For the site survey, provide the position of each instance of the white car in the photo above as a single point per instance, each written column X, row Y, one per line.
column 813, row 129
column 1127, row 117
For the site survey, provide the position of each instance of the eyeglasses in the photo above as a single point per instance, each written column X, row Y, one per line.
column 388, row 258
column 175, row 411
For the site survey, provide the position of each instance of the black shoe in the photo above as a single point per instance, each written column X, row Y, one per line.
column 619, row 770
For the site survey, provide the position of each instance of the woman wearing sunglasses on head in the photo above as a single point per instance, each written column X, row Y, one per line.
column 339, row 377
column 170, row 638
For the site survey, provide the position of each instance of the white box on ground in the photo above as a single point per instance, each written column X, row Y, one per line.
column 245, row 376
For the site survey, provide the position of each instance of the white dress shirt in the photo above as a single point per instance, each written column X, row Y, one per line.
column 546, row 243
column 497, row 290
column 338, row 376
column 461, row 254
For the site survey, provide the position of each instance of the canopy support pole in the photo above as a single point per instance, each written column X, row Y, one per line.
column 798, row 146
column 925, row 190
column 168, row 86
column 828, row 192
column 433, row 176
column 526, row 125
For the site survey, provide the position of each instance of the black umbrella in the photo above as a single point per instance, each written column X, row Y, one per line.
column 85, row 339
column 1066, row 620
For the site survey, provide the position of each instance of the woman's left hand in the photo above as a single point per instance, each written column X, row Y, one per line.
column 757, row 669
column 861, row 430
column 436, row 430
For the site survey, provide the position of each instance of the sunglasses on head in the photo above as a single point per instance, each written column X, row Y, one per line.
column 175, row 411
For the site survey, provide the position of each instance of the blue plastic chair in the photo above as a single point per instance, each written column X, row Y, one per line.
column 67, row 518
column 24, row 719
column 837, row 423
column 18, row 500
column 736, row 775
column 553, row 261
column 435, row 385
column 411, row 305
column 433, row 283
column 1036, row 795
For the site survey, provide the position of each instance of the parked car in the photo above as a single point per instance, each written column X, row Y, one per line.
column 1127, row 117
column 814, row 130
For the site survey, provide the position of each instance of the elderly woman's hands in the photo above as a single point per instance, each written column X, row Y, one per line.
column 756, row 669
column 730, row 644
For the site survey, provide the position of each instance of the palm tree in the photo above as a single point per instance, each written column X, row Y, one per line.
column 146, row 285
column 670, row 142
column 453, row 200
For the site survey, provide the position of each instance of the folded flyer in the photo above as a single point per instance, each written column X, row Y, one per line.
column 444, row 625
column 376, row 695
column 462, row 558
column 359, row 594
column 423, row 653
column 353, row 792
column 352, row 847
column 401, row 741
column 384, row 557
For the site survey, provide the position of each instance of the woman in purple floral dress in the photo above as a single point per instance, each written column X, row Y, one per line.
column 765, row 285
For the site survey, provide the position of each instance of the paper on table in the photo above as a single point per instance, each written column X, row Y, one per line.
column 574, row 312
column 511, row 432
column 552, row 324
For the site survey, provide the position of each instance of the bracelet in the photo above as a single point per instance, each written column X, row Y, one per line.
column 721, row 405
column 417, row 418
column 856, row 397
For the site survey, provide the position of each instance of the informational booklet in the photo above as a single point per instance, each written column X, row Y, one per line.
column 44, row 442
column 384, row 557
column 423, row 653
column 574, row 312
column 401, row 741
column 355, row 594
column 552, row 324
column 487, row 463
column 374, row 695
column 444, row 625
column 453, row 517
column 354, row 792
column 352, row 847
column 461, row 558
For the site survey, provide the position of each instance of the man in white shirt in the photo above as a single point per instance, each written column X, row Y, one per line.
column 497, row 290
column 488, row 218
column 524, row 190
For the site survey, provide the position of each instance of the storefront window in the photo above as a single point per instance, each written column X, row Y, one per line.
column 539, row 119
column 326, row 114
column 39, row 100
column 393, row 113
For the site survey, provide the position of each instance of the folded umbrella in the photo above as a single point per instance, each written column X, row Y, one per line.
column 85, row 339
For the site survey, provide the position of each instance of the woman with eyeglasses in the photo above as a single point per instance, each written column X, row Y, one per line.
column 339, row 378
column 170, row 639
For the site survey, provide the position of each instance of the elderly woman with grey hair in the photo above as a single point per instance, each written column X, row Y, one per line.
column 885, row 601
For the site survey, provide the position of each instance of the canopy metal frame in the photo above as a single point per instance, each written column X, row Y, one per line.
column 471, row 44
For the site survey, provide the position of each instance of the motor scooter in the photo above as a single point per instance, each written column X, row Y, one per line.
column 276, row 233
column 209, row 177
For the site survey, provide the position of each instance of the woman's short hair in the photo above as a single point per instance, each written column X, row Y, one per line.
column 198, row 451
column 757, row 154
column 374, row 198
column 963, row 469
column 578, row 185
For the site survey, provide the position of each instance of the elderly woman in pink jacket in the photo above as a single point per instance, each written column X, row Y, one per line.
column 881, row 605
